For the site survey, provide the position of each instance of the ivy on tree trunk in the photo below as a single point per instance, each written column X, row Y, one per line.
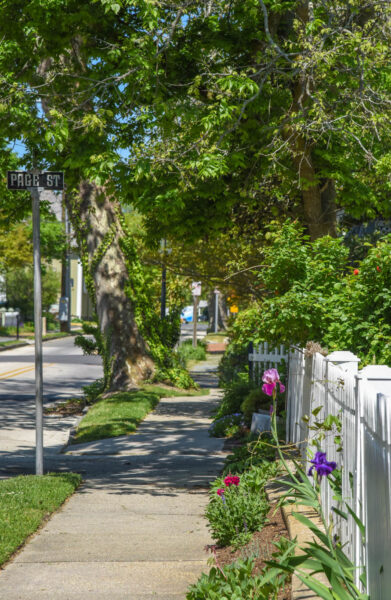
column 96, row 219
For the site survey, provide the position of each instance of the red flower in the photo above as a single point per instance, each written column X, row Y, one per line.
column 232, row 480
column 378, row 268
column 220, row 492
column 356, row 272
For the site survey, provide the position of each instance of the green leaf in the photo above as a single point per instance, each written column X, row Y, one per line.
column 317, row 587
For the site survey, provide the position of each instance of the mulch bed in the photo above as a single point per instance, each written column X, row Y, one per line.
column 260, row 547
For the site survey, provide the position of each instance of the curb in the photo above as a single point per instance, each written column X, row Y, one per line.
column 13, row 346
column 23, row 344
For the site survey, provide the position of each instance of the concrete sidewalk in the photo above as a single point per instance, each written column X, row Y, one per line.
column 135, row 529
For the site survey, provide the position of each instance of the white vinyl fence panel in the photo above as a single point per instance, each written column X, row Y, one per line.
column 315, row 382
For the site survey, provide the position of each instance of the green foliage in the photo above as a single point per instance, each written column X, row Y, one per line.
column 253, row 402
column 227, row 426
column 260, row 453
column 25, row 501
column 233, row 582
column 233, row 364
column 326, row 302
column 19, row 284
column 240, row 511
column 92, row 341
column 233, row 397
column 186, row 352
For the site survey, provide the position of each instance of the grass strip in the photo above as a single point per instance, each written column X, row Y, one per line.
column 119, row 414
column 25, row 501
column 122, row 412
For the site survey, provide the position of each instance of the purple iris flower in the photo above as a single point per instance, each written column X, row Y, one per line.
column 322, row 465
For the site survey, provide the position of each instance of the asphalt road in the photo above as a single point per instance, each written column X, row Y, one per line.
column 65, row 371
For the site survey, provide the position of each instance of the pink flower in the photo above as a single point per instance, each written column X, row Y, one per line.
column 231, row 480
column 270, row 379
column 220, row 492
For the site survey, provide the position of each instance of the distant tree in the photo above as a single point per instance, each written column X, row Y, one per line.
column 19, row 284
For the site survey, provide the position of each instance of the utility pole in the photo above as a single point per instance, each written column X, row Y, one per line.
column 196, row 291
column 216, row 310
column 65, row 300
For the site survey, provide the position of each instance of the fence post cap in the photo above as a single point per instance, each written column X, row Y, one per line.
column 344, row 359
column 373, row 372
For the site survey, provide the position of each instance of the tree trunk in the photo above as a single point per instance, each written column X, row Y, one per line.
column 221, row 312
column 96, row 217
column 318, row 199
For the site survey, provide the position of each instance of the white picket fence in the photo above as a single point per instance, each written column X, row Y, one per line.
column 263, row 357
column 362, row 400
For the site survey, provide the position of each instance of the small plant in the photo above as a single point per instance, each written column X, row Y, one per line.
column 226, row 426
column 234, row 582
column 254, row 401
column 258, row 453
column 237, row 508
column 187, row 352
column 234, row 394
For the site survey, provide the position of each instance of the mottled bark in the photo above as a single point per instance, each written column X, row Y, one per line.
column 128, row 351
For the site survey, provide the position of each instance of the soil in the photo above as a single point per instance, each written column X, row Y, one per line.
column 66, row 409
column 260, row 547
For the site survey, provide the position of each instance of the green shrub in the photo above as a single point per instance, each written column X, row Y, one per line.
column 233, row 365
column 254, row 401
column 261, row 454
column 234, row 394
column 236, row 582
column 222, row 427
column 186, row 352
column 239, row 510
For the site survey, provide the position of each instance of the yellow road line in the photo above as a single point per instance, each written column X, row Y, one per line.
column 20, row 371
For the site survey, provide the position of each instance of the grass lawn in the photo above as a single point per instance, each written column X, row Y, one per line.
column 27, row 500
column 121, row 413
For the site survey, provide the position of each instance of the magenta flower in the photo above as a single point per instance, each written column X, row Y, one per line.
column 220, row 492
column 232, row 480
column 270, row 379
column 322, row 466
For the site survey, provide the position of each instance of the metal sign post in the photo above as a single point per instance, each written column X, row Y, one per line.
column 37, row 334
column 34, row 182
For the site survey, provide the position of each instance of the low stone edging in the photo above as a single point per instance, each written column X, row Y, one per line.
column 274, row 491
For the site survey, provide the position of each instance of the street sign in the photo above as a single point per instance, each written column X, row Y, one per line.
column 23, row 180
column 196, row 288
column 36, row 182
